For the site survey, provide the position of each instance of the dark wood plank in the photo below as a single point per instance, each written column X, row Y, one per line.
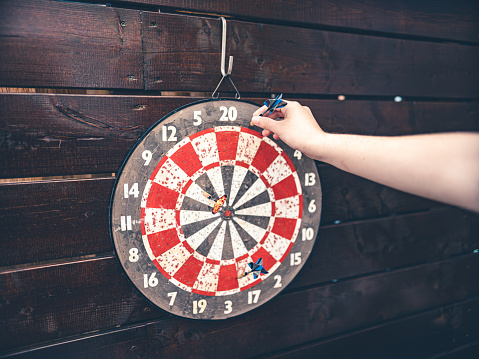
column 45, row 135
column 49, row 302
column 439, row 19
column 323, row 311
column 69, row 218
column 465, row 352
column 43, row 221
column 316, row 313
column 183, row 53
column 69, row 299
column 53, row 134
column 128, row 342
column 64, row 44
column 347, row 197
column 417, row 336
column 378, row 245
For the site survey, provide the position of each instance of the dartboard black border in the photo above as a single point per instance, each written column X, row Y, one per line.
column 118, row 176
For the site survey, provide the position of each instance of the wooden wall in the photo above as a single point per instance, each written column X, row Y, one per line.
column 391, row 275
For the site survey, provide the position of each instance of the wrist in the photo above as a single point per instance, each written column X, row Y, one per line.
column 319, row 146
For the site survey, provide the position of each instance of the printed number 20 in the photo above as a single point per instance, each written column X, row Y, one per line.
column 228, row 114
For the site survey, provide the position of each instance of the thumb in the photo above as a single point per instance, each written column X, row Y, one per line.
column 265, row 123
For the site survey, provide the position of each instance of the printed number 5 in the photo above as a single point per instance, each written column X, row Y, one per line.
column 197, row 117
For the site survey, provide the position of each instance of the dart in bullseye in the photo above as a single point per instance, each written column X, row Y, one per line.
column 256, row 268
column 215, row 204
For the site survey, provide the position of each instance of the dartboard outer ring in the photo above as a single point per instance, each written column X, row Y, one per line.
column 177, row 252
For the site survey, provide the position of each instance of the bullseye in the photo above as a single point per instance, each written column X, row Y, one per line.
column 228, row 213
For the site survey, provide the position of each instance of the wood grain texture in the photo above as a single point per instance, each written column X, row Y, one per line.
column 324, row 311
column 183, row 52
column 45, row 135
column 435, row 19
column 62, row 44
column 51, row 44
column 416, row 336
column 48, row 220
column 465, row 352
column 50, row 302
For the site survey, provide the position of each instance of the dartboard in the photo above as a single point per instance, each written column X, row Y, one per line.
column 209, row 218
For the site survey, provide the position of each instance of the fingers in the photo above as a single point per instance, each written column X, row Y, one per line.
column 260, row 110
column 266, row 123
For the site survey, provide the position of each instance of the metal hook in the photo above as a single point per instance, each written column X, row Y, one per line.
column 230, row 64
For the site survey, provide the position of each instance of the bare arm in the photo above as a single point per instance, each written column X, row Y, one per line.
column 443, row 167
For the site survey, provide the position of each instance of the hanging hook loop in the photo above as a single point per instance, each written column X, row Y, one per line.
column 224, row 73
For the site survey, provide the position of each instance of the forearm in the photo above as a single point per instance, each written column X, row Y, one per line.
column 443, row 167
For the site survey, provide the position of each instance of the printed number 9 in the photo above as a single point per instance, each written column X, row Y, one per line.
column 146, row 155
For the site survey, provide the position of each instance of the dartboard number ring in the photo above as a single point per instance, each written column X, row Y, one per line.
column 209, row 218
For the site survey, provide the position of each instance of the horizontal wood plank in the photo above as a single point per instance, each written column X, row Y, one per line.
column 69, row 299
column 51, row 301
column 48, row 220
column 90, row 46
column 129, row 342
column 418, row 336
column 316, row 313
column 69, row 218
column 465, row 352
column 47, row 135
column 439, row 19
column 311, row 314
column 183, row 53
column 65, row 44
column 415, row 336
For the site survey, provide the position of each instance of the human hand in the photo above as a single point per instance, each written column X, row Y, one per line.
column 294, row 124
